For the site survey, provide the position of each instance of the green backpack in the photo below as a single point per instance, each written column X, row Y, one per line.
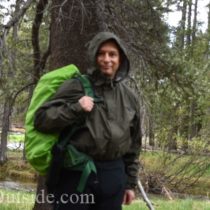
column 39, row 146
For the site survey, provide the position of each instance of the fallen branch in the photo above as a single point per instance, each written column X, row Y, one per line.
column 144, row 195
column 167, row 193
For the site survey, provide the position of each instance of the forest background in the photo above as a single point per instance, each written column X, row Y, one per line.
column 170, row 72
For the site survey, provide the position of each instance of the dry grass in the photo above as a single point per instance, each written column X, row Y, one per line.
column 17, row 169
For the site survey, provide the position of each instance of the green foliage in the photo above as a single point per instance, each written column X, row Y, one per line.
column 16, row 137
column 176, row 91
column 17, row 61
column 180, row 103
column 196, row 145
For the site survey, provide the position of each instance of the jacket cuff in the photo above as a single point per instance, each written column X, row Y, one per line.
column 131, row 183
column 76, row 107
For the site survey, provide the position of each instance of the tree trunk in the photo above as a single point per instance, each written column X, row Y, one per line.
column 195, row 22
column 8, row 99
column 151, row 132
column 4, row 131
column 191, row 131
column 73, row 24
column 183, row 24
column 195, row 122
column 208, row 18
column 189, row 25
column 208, row 34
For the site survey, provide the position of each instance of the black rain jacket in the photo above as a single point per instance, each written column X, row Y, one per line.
column 112, row 129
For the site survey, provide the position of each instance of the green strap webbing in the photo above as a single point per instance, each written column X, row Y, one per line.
column 86, row 85
column 89, row 167
column 88, row 88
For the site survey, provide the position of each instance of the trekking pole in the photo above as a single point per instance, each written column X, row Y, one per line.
column 145, row 198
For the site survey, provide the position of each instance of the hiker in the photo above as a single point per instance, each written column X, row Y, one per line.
column 109, row 129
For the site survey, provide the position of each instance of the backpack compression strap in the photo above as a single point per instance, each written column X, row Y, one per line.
column 86, row 166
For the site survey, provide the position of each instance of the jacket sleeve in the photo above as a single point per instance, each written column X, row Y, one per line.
column 131, row 158
column 62, row 110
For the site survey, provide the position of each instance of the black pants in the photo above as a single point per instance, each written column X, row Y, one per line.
column 103, row 191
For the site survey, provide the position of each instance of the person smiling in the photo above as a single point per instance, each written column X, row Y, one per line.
column 108, row 59
column 111, row 133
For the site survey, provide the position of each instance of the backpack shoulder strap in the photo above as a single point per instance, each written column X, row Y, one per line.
column 86, row 85
column 59, row 149
column 88, row 88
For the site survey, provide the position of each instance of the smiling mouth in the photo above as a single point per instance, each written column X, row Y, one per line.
column 106, row 67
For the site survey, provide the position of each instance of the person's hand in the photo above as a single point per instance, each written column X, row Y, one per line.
column 129, row 196
column 86, row 103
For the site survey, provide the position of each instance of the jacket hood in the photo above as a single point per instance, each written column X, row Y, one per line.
column 93, row 47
